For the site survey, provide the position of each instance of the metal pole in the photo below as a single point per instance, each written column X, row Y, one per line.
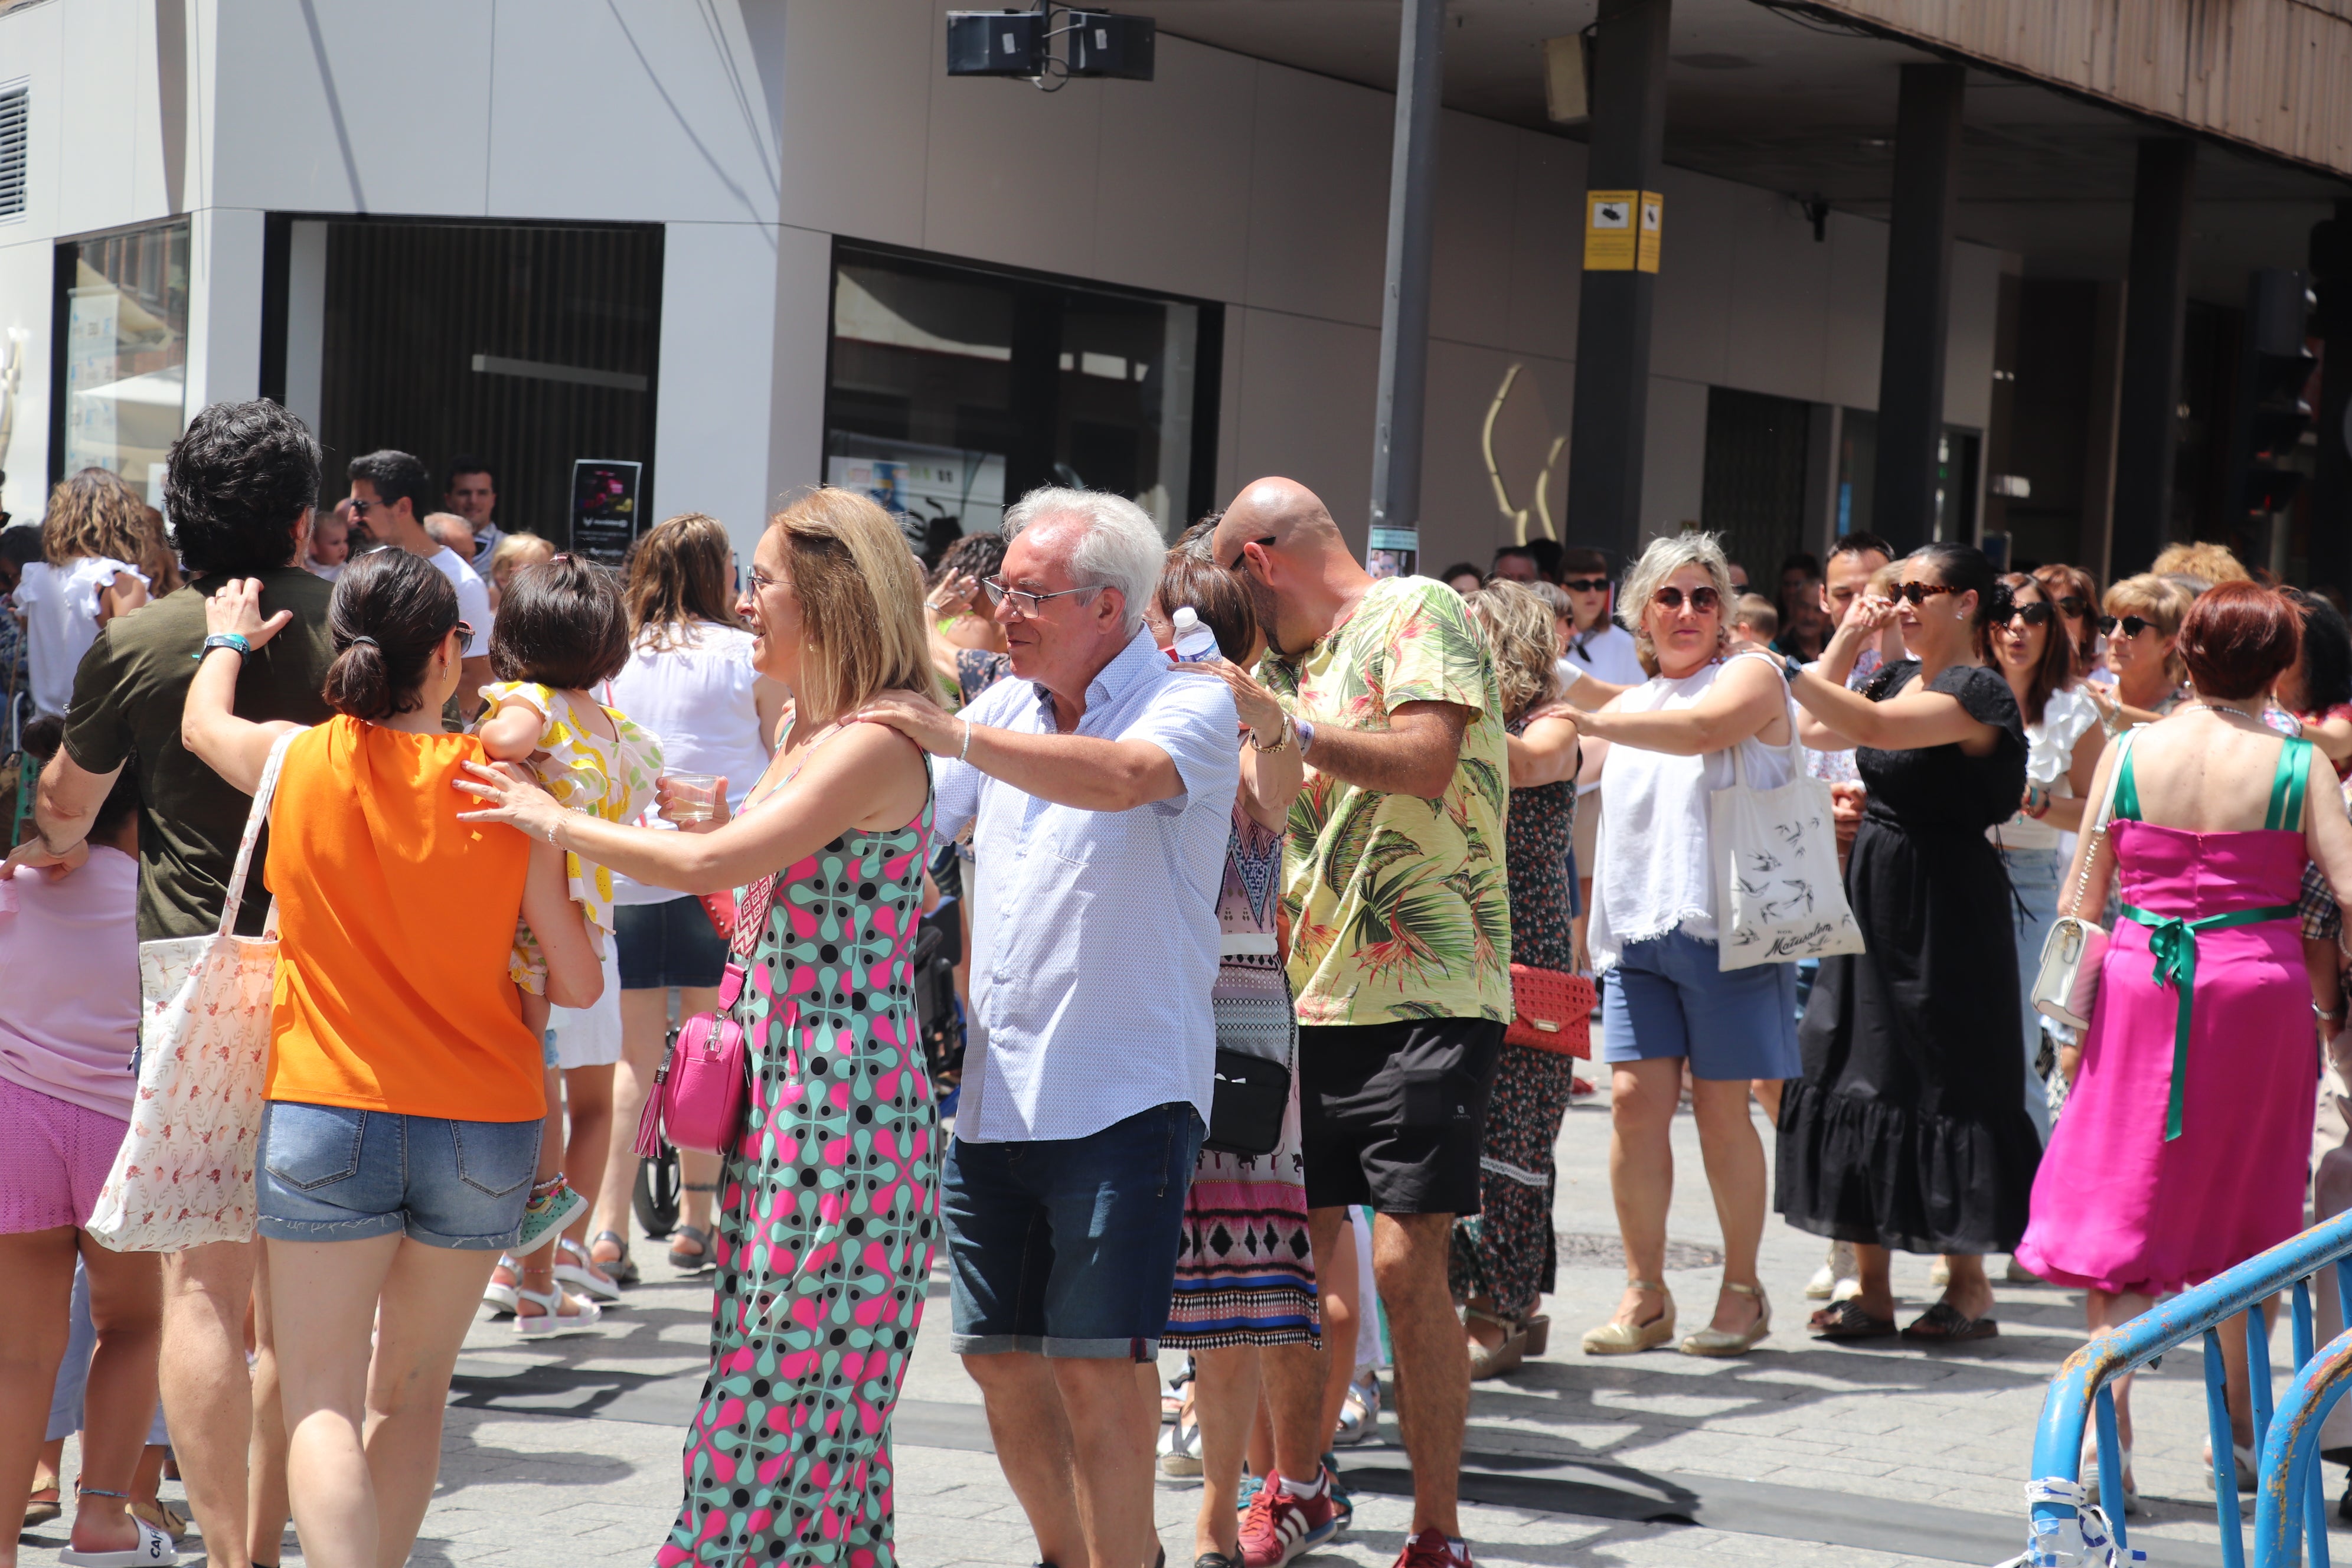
column 1404, row 299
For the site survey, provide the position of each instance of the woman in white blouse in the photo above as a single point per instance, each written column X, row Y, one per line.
column 2063, row 741
column 1653, row 933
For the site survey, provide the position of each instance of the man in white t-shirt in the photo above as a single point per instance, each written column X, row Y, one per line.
column 391, row 493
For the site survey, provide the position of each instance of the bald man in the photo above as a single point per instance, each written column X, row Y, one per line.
column 447, row 528
column 1401, row 962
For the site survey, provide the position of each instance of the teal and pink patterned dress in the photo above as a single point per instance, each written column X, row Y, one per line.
column 829, row 1215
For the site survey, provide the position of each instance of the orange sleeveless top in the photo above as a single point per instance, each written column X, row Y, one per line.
column 396, row 920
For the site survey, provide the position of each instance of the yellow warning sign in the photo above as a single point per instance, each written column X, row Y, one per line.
column 1609, row 230
column 1654, row 213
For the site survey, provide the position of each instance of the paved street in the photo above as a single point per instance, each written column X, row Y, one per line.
column 567, row 1453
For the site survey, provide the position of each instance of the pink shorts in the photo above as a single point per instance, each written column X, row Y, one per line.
column 54, row 1156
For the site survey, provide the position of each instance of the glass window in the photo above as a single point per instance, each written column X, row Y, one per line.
column 954, row 390
column 122, row 342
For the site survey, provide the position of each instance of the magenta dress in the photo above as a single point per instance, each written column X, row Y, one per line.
column 2177, row 1158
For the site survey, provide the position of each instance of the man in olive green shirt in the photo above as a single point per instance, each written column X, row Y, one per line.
column 239, row 486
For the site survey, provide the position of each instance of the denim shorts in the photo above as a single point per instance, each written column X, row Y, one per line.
column 669, row 944
column 1667, row 997
column 325, row 1173
column 1067, row 1247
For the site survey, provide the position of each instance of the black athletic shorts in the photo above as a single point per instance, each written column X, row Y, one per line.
column 1393, row 1114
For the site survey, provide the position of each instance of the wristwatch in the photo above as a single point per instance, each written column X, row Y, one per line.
column 226, row 640
column 1791, row 667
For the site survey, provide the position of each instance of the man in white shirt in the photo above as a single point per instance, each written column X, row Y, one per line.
column 1098, row 782
column 472, row 493
column 392, row 495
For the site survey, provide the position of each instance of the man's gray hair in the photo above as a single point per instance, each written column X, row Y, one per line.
column 1121, row 547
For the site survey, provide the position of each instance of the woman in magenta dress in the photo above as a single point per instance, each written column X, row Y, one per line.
column 2183, row 1148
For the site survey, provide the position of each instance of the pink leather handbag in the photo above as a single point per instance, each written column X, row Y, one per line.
column 704, row 1086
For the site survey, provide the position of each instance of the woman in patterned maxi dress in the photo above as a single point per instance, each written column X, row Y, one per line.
column 829, row 1199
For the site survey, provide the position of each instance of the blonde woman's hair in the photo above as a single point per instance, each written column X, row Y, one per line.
column 680, row 573
column 514, row 546
column 861, row 596
column 95, row 512
column 1665, row 558
column 2212, row 563
column 1516, row 625
column 2160, row 602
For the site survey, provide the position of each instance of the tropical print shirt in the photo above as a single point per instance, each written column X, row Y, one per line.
column 1399, row 907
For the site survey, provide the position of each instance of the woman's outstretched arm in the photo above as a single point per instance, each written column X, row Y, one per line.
column 237, row 748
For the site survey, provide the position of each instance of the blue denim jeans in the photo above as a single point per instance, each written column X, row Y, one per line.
column 326, row 1173
column 2035, row 874
column 1066, row 1247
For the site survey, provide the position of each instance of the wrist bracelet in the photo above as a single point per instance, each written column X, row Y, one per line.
column 225, row 639
column 1306, row 732
column 1281, row 738
column 2335, row 1017
column 965, row 749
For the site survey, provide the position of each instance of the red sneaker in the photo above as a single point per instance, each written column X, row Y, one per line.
column 1431, row 1549
column 1277, row 1527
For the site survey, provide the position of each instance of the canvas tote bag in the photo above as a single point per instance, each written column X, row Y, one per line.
column 183, row 1175
column 1779, row 895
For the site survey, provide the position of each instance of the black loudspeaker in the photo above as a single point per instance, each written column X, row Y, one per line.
column 996, row 43
column 1102, row 44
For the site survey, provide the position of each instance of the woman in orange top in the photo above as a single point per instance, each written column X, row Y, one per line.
column 403, row 1127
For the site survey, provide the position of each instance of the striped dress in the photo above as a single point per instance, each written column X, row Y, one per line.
column 1244, row 1273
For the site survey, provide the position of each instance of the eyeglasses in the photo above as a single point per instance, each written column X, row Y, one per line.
column 361, row 507
column 1920, row 593
column 1584, row 584
column 2132, row 625
column 1026, row 604
column 761, row 581
column 1703, row 601
column 1239, row 555
column 2070, row 606
column 2034, row 614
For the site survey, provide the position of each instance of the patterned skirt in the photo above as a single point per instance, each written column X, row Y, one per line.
column 1244, row 1269
column 1507, row 1252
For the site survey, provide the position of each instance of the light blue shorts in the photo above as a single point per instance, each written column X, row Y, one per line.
column 1668, row 998
column 325, row 1173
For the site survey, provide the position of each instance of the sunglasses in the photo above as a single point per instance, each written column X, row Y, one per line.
column 2132, row 625
column 465, row 632
column 1236, row 565
column 361, row 507
column 1584, row 584
column 1920, row 593
column 2072, row 606
column 1703, row 601
column 2034, row 614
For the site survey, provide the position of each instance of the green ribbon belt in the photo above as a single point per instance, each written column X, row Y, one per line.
column 2173, row 940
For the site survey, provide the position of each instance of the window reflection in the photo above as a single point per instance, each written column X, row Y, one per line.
column 124, row 343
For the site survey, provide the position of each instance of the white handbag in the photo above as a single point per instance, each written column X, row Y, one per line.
column 183, row 1175
column 1779, row 895
column 2066, row 986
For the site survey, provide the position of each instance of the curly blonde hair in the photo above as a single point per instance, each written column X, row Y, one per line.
column 95, row 512
column 1516, row 625
column 1665, row 558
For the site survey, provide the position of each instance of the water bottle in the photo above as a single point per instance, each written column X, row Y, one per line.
column 1195, row 644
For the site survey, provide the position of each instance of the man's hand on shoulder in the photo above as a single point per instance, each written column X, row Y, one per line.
column 914, row 716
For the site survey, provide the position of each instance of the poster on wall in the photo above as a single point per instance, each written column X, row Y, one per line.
column 605, row 507
column 91, row 319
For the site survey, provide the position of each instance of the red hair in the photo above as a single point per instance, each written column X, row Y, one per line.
column 2238, row 638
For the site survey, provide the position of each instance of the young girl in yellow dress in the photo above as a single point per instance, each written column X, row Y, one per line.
column 561, row 632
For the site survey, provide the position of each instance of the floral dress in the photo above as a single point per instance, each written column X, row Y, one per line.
column 828, row 1218
column 1244, row 1269
column 611, row 779
column 1506, row 1251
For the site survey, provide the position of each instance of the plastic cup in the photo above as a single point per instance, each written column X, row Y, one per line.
column 694, row 798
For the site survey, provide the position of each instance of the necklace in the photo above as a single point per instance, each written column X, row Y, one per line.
column 2225, row 707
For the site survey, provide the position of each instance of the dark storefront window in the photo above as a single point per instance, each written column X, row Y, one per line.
column 121, row 375
column 954, row 389
column 529, row 346
column 1753, row 490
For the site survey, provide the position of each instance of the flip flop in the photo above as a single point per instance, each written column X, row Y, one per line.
column 1942, row 1324
column 154, row 1549
column 1846, row 1320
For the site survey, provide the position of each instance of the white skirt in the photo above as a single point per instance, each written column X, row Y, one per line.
column 591, row 1037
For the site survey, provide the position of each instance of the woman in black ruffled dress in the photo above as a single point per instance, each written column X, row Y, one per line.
column 1908, row 1130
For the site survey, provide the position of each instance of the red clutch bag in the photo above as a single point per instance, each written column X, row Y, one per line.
column 1554, row 1011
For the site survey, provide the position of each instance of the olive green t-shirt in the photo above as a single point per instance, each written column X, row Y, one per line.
column 128, row 696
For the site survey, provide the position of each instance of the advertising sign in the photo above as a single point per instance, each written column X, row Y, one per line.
column 604, row 521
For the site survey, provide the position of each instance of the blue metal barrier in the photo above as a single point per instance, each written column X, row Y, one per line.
column 2289, row 1501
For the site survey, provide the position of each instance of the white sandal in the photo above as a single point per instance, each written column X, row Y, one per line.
column 500, row 1298
column 155, row 1547
column 552, row 1321
column 576, row 1268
